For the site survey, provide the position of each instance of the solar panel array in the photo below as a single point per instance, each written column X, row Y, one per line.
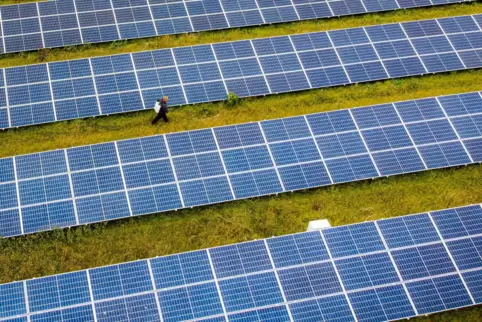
column 122, row 83
column 388, row 269
column 120, row 179
column 49, row 24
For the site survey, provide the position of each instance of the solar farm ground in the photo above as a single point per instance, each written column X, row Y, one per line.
column 155, row 235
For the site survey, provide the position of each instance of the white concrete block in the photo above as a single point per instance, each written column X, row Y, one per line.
column 318, row 224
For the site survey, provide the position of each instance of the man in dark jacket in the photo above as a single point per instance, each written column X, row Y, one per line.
column 163, row 110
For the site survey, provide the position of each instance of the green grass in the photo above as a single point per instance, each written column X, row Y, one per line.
column 7, row 2
column 155, row 235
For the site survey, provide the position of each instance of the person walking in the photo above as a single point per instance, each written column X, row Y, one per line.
column 161, row 109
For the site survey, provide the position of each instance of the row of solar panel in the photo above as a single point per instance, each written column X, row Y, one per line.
column 166, row 172
column 116, row 84
column 374, row 271
column 60, row 23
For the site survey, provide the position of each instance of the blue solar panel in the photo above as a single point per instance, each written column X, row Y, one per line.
column 60, row 23
column 404, row 267
column 408, row 231
column 188, row 75
column 438, row 294
column 433, row 259
column 306, row 248
column 167, row 172
column 473, row 280
column 71, row 289
column 466, row 252
column 181, row 269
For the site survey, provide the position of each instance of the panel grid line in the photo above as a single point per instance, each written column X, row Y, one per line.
column 331, row 9
column 299, row 61
column 260, row 66
column 156, row 297
column 179, row 75
column 389, row 253
column 157, row 33
column 376, row 52
column 188, row 17
column 78, row 20
column 95, row 87
column 260, row 12
column 137, row 80
column 25, row 291
column 364, row 143
column 220, row 71
column 224, row 14
column 318, row 148
column 91, row 294
column 221, row 299
column 40, row 26
column 296, row 11
column 18, row 194
column 451, row 258
column 272, row 158
column 278, row 279
column 409, row 135
column 6, row 96
column 454, row 129
column 174, row 172
column 338, row 276
column 338, row 56
column 115, row 18
column 224, row 165
column 71, row 187
column 123, row 178
column 451, row 45
column 415, row 50
column 3, row 37
column 52, row 94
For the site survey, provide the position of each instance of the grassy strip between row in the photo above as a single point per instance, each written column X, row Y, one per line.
column 8, row 2
column 124, row 126
column 155, row 235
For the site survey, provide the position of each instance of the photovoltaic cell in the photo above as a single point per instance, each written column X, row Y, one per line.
column 121, row 179
column 50, row 24
column 296, row 277
column 130, row 82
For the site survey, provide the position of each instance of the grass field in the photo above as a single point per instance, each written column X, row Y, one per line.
column 155, row 235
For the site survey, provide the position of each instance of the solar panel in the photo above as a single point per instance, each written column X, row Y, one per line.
column 382, row 270
column 129, row 82
column 50, row 24
column 107, row 181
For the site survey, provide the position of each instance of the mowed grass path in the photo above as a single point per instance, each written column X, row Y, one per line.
column 168, row 233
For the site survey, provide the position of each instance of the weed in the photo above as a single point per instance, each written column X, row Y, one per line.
column 232, row 100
